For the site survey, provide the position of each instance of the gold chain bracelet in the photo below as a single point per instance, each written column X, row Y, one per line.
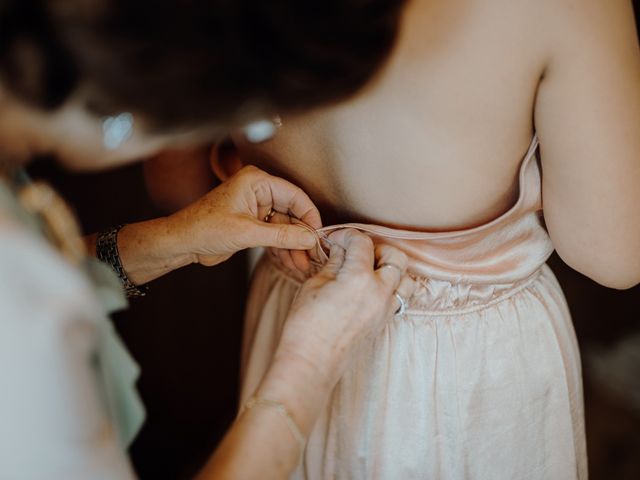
column 283, row 412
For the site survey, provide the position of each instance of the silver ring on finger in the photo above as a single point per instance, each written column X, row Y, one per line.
column 403, row 305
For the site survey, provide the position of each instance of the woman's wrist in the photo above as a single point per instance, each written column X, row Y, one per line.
column 263, row 433
column 151, row 249
column 299, row 385
column 325, row 353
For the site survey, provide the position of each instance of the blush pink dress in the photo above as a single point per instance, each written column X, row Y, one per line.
column 479, row 379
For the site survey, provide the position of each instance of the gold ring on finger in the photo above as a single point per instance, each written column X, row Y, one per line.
column 269, row 215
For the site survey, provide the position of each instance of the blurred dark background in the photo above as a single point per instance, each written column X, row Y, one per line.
column 186, row 337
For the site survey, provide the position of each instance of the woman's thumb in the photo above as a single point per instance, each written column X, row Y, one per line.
column 282, row 235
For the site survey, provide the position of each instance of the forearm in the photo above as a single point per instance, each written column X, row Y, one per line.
column 148, row 249
column 210, row 230
column 260, row 445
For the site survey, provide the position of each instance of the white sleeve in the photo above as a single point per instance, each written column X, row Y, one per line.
column 53, row 424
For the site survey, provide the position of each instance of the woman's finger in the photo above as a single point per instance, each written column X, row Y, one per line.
column 335, row 262
column 285, row 259
column 300, row 259
column 359, row 251
column 279, row 235
column 391, row 266
column 297, row 257
column 285, row 197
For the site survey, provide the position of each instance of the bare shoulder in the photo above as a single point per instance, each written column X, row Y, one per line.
column 558, row 26
column 579, row 25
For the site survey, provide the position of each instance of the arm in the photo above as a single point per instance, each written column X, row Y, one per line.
column 226, row 220
column 345, row 303
column 588, row 119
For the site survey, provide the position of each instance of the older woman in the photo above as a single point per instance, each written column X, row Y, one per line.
column 98, row 83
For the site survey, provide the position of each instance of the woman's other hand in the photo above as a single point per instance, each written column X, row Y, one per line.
column 349, row 300
column 235, row 216
column 227, row 219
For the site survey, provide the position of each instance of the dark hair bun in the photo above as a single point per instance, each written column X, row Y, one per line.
column 33, row 61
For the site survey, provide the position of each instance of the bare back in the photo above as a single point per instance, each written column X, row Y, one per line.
column 436, row 140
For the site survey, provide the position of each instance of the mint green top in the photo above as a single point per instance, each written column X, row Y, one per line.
column 69, row 407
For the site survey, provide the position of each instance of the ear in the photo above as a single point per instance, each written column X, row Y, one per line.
column 224, row 159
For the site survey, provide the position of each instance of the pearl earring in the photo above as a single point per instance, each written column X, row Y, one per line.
column 262, row 130
column 116, row 130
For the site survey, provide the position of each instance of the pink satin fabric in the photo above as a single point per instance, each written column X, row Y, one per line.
column 479, row 379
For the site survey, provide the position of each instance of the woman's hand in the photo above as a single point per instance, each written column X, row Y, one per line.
column 348, row 301
column 226, row 220
column 231, row 218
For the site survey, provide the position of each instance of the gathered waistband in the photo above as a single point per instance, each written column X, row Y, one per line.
column 438, row 297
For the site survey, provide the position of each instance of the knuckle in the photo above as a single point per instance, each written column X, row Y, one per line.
column 249, row 173
column 262, row 189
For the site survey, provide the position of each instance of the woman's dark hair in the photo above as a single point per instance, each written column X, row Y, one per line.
column 187, row 62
